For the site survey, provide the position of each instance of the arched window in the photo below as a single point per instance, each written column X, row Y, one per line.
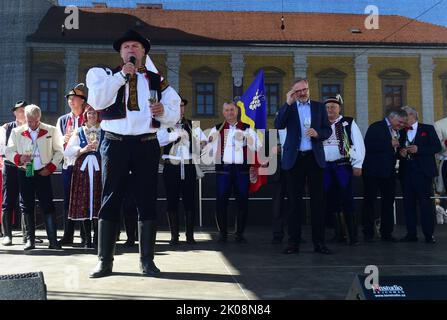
column 330, row 82
column 394, row 88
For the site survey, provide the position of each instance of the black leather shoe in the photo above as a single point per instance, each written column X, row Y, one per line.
column 291, row 249
column 65, row 242
column 54, row 246
column 409, row 238
column 389, row 239
column 129, row 243
column 102, row 269
column 322, row 249
column 190, row 240
column 430, row 240
column 149, row 268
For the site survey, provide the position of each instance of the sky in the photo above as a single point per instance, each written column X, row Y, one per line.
column 433, row 11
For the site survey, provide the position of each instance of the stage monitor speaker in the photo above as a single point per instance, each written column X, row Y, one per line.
column 432, row 287
column 23, row 286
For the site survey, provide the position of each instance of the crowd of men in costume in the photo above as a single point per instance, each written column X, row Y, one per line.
column 111, row 143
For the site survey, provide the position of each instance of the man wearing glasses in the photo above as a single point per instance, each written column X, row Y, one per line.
column 307, row 127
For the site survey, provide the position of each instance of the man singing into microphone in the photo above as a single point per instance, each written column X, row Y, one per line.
column 130, row 144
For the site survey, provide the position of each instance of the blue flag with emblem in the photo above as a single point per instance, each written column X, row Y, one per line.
column 252, row 104
column 254, row 113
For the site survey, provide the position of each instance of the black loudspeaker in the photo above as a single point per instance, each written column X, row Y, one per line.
column 23, row 286
column 433, row 287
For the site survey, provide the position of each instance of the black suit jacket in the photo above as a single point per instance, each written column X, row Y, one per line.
column 288, row 117
column 428, row 145
column 380, row 157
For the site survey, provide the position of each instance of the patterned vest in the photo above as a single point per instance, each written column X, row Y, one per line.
column 221, row 127
column 118, row 109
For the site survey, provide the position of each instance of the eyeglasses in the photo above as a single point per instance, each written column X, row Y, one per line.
column 302, row 90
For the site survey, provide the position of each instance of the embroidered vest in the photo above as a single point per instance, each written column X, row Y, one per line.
column 226, row 126
column 118, row 109
column 339, row 133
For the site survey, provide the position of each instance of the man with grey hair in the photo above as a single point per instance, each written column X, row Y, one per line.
column 419, row 144
column 381, row 143
column 36, row 149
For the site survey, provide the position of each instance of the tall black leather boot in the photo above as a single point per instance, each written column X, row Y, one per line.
column 87, row 227
column 241, row 220
column 106, row 248
column 67, row 238
column 351, row 225
column 174, row 226
column 30, row 226
column 95, row 232
column 50, row 226
column 189, row 221
column 222, row 226
column 23, row 226
column 147, row 233
column 7, row 230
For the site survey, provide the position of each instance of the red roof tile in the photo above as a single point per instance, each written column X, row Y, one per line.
column 200, row 27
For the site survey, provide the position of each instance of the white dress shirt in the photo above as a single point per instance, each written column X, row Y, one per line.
column 103, row 89
column 233, row 152
column 411, row 134
column 37, row 163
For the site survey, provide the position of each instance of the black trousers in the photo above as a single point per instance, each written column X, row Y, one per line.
column 387, row 188
column 417, row 190
column 121, row 154
column 306, row 167
column 175, row 186
column 30, row 188
column 10, row 190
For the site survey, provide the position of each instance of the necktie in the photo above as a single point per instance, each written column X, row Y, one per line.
column 132, row 102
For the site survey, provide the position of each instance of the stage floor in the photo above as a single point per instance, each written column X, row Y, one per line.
column 208, row 270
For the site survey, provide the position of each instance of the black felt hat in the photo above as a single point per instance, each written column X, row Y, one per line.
column 19, row 104
column 77, row 92
column 132, row 35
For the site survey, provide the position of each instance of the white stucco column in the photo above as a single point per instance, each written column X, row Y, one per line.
column 237, row 68
column 361, row 92
column 426, row 66
column 299, row 65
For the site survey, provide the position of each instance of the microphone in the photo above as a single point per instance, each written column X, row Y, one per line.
column 132, row 60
